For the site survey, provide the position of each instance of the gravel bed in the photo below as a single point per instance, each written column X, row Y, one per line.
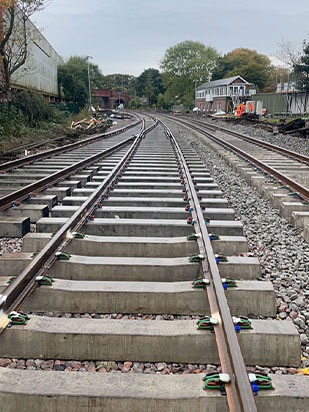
column 280, row 248
column 10, row 245
column 13, row 244
column 130, row 316
column 107, row 366
column 161, row 368
column 125, row 316
column 294, row 143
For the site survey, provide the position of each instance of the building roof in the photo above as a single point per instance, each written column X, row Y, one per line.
column 221, row 82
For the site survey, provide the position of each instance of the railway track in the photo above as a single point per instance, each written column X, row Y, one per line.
column 149, row 238
column 13, row 152
column 43, row 179
column 280, row 175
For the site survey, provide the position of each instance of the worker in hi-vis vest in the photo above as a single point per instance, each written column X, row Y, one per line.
column 240, row 109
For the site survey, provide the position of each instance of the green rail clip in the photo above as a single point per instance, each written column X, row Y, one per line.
column 196, row 258
column 221, row 258
column 228, row 283
column 207, row 323
column 62, row 255
column 259, row 381
column 213, row 236
column 17, row 318
column 11, row 279
column 193, row 236
column 44, row 280
column 78, row 235
column 213, row 380
column 217, row 381
column 200, row 283
column 241, row 323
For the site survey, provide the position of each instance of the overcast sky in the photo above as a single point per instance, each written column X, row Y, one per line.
column 128, row 36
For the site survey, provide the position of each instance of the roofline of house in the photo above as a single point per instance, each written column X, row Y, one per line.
column 210, row 84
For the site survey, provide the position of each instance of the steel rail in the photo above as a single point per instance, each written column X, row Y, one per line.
column 288, row 182
column 48, row 153
column 42, row 184
column 282, row 150
column 39, row 143
column 239, row 392
column 16, row 293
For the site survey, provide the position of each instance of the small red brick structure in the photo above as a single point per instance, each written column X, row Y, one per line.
column 110, row 99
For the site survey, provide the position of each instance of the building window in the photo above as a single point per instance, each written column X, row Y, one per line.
column 235, row 90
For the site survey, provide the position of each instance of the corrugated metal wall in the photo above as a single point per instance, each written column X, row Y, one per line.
column 40, row 70
column 298, row 103
column 273, row 102
column 280, row 103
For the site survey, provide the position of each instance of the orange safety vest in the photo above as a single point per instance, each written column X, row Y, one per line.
column 240, row 109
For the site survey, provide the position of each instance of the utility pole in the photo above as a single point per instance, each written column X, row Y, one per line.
column 195, row 81
column 89, row 82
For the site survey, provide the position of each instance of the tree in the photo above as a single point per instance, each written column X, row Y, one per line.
column 185, row 63
column 120, row 82
column 278, row 75
column 16, row 35
column 150, row 84
column 149, row 89
column 73, row 78
column 302, row 72
column 289, row 53
column 252, row 66
column 135, row 103
column 163, row 102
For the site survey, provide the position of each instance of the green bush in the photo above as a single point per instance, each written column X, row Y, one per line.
column 135, row 103
column 34, row 107
column 11, row 121
column 28, row 111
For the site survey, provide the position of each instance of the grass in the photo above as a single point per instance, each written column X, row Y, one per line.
column 30, row 118
column 45, row 130
column 289, row 119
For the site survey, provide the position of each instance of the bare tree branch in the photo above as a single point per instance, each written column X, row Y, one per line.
column 16, row 33
column 289, row 53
